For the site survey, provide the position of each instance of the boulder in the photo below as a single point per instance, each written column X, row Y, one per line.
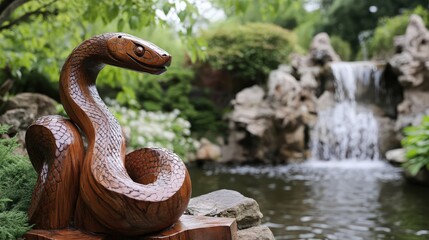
column 249, row 96
column 44, row 105
column 227, row 203
column 23, row 109
column 255, row 233
column 387, row 135
column 208, row 151
column 396, row 156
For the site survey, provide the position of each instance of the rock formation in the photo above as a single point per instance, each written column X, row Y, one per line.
column 411, row 64
column 272, row 126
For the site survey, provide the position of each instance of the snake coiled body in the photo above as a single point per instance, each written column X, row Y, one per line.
column 144, row 191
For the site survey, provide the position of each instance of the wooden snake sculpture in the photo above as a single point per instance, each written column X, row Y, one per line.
column 102, row 190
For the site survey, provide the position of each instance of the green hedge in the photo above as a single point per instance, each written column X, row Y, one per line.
column 249, row 51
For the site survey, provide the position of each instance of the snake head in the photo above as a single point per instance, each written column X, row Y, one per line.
column 127, row 51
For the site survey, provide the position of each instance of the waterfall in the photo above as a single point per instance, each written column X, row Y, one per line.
column 349, row 130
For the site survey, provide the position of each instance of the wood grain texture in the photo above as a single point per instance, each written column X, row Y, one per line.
column 102, row 189
column 187, row 228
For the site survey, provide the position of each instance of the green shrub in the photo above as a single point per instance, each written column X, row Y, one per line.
column 380, row 45
column 249, row 52
column 416, row 144
column 341, row 47
column 17, row 180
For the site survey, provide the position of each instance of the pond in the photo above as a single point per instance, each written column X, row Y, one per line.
column 328, row 200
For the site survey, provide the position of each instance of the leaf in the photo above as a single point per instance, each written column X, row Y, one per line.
column 121, row 24
column 134, row 22
column 166, row 8
column 182, row 15
column 113, row 11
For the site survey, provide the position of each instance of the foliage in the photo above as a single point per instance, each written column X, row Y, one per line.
column 416, row 144
column 42, row 44
column 250, row 51
column 341, row 47
column 17, row 179
column 155, row 129
column 348, row 18
column 286, row 13
column 380, row 45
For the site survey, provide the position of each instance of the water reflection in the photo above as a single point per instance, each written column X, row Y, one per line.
column 369, row 200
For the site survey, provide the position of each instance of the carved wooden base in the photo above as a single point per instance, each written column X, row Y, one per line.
column 188, row 227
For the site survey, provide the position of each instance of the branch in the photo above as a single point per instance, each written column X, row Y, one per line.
column 7, row 7
column 28, row 15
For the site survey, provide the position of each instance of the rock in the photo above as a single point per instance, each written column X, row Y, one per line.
column 325, row 101
column 308, row 81
column 208, row 151
column 44, row 104
column 321, row 50
column 396, row 156
column 422, row 177
column 283, row 87
column 411, row 66
column 387, row 135
column 227, row 203
column 260, row 128
column 255, row 233
column 25, row 108
column 19, row 119
column 250, row 96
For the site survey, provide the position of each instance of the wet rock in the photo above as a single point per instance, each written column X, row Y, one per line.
column 396, row 156
column 422, row 177
column 255, row 233
column 227, row 203
column 387, row 135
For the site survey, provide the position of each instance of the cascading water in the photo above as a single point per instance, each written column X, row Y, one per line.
column 348, row 130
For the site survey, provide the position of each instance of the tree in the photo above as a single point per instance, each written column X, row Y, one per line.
column 348, row 18
column 37, row 36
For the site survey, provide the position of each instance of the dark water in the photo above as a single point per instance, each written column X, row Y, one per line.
column 348, row 200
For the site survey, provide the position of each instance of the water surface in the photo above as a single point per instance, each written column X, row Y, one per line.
column 328, row 200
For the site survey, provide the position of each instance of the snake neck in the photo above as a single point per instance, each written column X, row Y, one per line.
column 77, row 84
column 84, row 106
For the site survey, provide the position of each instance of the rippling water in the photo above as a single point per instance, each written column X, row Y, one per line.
column 328, row 200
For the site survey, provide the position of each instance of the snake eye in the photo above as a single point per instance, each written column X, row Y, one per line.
column 139, row 51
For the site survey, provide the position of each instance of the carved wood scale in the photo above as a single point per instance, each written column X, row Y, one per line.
column 100, row 189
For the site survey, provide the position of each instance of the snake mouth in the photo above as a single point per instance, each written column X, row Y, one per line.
column 155, row 69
